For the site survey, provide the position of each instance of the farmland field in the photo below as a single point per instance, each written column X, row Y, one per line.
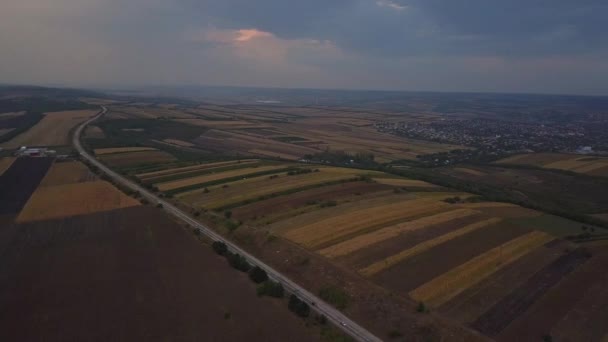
column 126, row 159
column 66, row 173
column 103, row 151
column 137, row 276
column 73, row 199
column 52, row 130
column 19, row 181
column 595, row 166
column 412, row 243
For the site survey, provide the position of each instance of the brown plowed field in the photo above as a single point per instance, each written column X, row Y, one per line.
column 129, row 275
column 582, row 323
column 409, row 275
column 476, row 300
column 67, row 173
column 5, row 163
column 513, row 306
column 333, row 192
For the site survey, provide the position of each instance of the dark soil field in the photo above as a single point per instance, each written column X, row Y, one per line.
column 376, row 252
column 476, row 300
column 128, row 275
column 545, row 315
column 19, row 182
column 520, row 299
column 416, row 271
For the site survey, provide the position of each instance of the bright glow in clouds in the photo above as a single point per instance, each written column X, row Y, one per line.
column 391, row 4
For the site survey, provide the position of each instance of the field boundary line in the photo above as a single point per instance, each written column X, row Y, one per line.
column 424, row 246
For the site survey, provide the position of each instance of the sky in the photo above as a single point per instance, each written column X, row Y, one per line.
column 537, row 46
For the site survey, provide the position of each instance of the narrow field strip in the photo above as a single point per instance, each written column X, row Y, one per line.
column 199, row 172
column 405, row 182
column 183, row 183
column 349, row 246
column 423, row 247
column 450, row 284
column 590, row 167
column 315, row 235
column 146, row 175
column 102, row 151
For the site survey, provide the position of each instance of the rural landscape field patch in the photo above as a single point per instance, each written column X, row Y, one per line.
column 55, row 202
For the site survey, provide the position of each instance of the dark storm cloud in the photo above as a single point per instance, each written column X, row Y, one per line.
column 509, row 45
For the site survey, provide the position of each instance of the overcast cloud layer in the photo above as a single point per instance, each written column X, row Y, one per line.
column 545, row 46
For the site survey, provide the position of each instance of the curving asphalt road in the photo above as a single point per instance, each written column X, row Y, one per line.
column 316, row 304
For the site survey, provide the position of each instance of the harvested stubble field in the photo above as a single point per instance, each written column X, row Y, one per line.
column 186, row 182
column 112, row 150
column 405, row 182
column 127, row 159
column 149, row 176
column 129, row 275
column 67, row 173
column 596, row 166
column 340, row 192
column 52, row 130
column 252, row 189
column 94, row 132
column 424, row 246
column 414, row 208
column 60, row 201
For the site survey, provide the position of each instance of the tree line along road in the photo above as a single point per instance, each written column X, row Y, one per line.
column 333, row 315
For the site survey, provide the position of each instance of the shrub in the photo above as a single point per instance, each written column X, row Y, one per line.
column 238, row 262
column 271, row 288
column 228, row 214
column 219, row 247
column 334, row 296
column 421, row 307
column 298, row 306
column 258, row 275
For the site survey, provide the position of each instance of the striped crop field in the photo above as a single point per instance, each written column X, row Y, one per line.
column 259, row 188
column 112, row 150
column 365, row 240
column 448, row 285
column 424, row 246
column 182, row 183
column 319, row 233
column 405, row 182
column 169, row 172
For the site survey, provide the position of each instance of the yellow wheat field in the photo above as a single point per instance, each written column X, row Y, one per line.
column 450, row 284
column 361, row 241
column 405, row 182
column 180, row 183
column 53, row 130
column 423, row 247
column 324, row 231
column 67, row 173
column 102, row 151
column 5, row 163
column 59, row 201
